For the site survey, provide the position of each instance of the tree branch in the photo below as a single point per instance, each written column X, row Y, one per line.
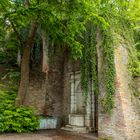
column 32, row 32
column 33, row 28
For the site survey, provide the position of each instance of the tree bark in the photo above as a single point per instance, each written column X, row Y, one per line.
column 25, row 69
column 25, row 64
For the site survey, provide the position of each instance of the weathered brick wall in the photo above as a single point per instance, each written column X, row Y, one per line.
column 54, row 86
column 45, row 91
column 124, row 124
column 50, row 94
column 36, row 92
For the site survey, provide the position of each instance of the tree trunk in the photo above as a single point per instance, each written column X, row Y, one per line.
column 25, row 69
column 25, row 64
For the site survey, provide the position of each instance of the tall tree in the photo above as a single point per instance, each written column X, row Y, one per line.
column 62, row 20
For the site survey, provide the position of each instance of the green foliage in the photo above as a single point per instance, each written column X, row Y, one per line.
column 134, row 67
column 15, row 119
column 116, row 17
column 89, row 78
column 89, row 64
column 12, row 75
column 8, row 49
column 62, row 21
column 12, row 118
column 134, row 61
column 108, row 58
column 9, row 79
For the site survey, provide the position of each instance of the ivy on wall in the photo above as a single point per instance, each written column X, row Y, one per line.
column 120, row 31
column 134, row 59
column 108, row 50
column 89, row 66
column 89, row 78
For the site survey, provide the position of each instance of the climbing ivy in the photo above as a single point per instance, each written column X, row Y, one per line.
column 117, row 16
column 134, row 56
column 89, row 66
column 108, row 50
column 89, row 77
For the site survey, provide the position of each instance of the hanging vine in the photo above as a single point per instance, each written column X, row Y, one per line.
column 89, row 64
column 108, row 50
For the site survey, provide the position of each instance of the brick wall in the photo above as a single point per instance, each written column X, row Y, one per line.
column 36, row 92
column 50, row 94
column 54, row 87
column 45, row 91
column 124, row 124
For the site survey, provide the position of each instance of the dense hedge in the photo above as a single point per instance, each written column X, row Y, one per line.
column 15, row 119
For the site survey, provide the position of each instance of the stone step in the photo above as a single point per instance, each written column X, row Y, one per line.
column 67, row 129
column 78, row 129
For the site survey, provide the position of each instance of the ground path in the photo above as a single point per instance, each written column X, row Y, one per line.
column 48, row 135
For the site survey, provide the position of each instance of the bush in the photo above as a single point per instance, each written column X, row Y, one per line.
column 15, row 119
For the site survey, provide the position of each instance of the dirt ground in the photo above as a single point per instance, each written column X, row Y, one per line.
column 48, row 135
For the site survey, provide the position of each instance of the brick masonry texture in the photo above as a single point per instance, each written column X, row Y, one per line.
column 50, row 95
column 36, row 92
column 124, row 124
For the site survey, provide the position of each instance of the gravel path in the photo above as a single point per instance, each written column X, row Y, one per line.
column 47, row 135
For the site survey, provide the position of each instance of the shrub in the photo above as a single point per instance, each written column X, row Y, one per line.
column 15, row 119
